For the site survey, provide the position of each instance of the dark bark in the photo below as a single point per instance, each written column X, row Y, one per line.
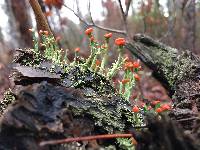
column 163, row 134
column 50, row 108
column 177, row 71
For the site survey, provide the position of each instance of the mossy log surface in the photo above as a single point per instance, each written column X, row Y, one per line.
column 177, row 70
column 56, row 105
column 43, row 112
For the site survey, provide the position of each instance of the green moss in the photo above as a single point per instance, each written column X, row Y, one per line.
column 108, row 109
column 174, row 66
column 113, row 114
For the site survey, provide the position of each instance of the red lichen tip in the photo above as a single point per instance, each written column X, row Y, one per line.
column 108, row 35
column 124, row 81
column 128, row 66
column 103, row 46
column 155, row 102
column 165, row 107
column 158, row 110
column 56, row 3
column 46, row 32
column 98, row 62
column 137, row 77
column 92, row 39
column 135, row 109
column 149, row 108
column 47, row 2
column 31, row 30
column 120, row 41
column 77, row 49
column 142, row 104
column 136, row 64
column 89, row 31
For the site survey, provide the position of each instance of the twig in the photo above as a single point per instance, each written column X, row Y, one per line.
column 87, row 138
column 95, row 25
column 80, row 18
column 122, row 10
column 127, row 7
column 124, row 15
column 89, row 9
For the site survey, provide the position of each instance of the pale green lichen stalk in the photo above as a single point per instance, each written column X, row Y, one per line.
column 105, row 53
column 117, row 65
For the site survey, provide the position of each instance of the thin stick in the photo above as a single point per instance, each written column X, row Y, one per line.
column 95, row 25
column 124, row 16
column 127, row 7
column 87, row 138
column 42, row 23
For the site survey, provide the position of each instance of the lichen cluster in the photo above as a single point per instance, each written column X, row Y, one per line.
column 107, row 107
column 8, row 99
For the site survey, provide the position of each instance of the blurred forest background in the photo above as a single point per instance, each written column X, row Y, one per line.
column 173, row 22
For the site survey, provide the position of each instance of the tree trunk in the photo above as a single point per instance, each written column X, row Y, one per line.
column 189, row 26
column 22, row 21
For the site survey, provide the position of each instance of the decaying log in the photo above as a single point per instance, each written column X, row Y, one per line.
column 44, row 112
column 55, row 105
column 177, row 70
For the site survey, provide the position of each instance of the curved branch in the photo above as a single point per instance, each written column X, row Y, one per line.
column 95, row 25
